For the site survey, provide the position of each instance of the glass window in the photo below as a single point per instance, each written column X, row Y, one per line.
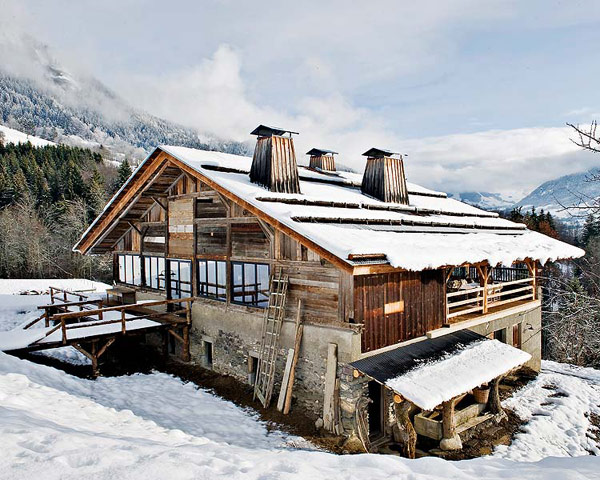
column 212, row 279
column 154, row 275
column 250, row 283
column 181, row 278
column 130, row 269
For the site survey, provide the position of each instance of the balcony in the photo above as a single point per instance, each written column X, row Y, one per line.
column 474, row 291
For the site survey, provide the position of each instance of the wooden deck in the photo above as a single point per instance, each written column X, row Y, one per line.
column 91, row 326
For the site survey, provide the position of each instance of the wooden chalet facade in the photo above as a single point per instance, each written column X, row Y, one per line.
column 219, row 228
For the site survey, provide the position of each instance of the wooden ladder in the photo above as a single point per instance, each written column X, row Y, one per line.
column 269, row 347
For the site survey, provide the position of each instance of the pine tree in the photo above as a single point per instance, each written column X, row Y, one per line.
column 96, row 193
column 123, row 173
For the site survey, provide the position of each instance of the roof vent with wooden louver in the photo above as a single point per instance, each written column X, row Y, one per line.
column 274, row 163
column 322, row 159
column 384, row 177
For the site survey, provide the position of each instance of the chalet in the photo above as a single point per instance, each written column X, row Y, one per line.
column 388, row 309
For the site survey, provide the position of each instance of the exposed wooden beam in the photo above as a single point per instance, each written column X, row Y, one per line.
column 159, row 202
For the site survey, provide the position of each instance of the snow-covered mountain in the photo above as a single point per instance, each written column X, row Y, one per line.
column 41, row 97
column 577, row 190
column 485, row 200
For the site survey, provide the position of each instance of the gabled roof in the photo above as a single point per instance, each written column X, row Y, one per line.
column 266, row 131
column 320, row 151
column 336, row 219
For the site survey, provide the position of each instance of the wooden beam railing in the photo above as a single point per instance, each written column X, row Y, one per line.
column 168, row 318
column 480, row 299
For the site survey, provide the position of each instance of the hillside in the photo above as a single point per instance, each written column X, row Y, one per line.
column 485, row 200
column 46, row 99
column 10, row 135
column 575, row 190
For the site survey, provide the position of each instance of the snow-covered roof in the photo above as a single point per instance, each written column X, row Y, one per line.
column 431, row 232
column 431, row 384
column 432, row 371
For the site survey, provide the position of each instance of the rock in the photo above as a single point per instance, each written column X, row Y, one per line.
column 319, row 423
column 451, row 443
column 485, row 451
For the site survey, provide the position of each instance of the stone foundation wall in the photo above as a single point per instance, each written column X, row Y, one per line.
column 235, row 334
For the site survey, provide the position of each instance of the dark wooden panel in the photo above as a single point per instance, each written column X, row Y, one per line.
column 423, row 295
column 211, row 240
column 210, row 206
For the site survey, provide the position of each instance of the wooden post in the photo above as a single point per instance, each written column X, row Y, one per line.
column 532, row 266
column 123, row 327
column 285, row 380
column 406, row 433
column 63, row 327
column 94, row 358
column 297, row 343
column 52, row 295
column 450, row 439
column 494, row 401
column 165, row 345
column 483, row 282
column 100, row 305
column 330, row 376
column 186, row 333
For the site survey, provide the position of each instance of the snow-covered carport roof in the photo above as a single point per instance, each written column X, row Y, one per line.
column 433, row 371
column 334, row 217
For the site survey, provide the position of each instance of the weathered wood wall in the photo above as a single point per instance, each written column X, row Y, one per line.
column 423, row 294
column 181, row 227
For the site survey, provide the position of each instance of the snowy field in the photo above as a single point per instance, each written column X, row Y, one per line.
column 15, row 136
column 54, row 425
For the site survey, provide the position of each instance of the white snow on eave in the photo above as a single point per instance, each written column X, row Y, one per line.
column 431, row 384
column 411, row 251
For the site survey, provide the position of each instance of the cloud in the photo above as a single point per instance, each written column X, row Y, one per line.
column 376, row 74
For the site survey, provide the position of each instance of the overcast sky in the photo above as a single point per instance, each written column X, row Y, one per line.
column 476, row 93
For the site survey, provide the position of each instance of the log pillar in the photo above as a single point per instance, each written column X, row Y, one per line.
column 494, row 403
column 450, row 439
column 405, row 433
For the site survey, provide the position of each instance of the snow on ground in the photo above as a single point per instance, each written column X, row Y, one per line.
column 155, row 426
column 556, row 405
column 15, row 286
column 15, row 136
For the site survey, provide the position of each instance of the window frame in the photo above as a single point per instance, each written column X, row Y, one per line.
column 154, row 262
column 169, row 266
column 220, row 284
column 258, row 303
column 129, row 268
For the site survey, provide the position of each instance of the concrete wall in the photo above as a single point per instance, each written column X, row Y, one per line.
column 530, row 324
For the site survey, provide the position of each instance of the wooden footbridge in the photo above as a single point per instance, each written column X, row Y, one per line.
column 92, row 325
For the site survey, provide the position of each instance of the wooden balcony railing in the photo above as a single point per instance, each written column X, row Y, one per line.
column 478, row 300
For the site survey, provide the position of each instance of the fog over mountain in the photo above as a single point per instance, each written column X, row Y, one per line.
column 42, row 97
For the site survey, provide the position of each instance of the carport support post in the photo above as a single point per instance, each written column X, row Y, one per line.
column 494, row 402
column 450, row 439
